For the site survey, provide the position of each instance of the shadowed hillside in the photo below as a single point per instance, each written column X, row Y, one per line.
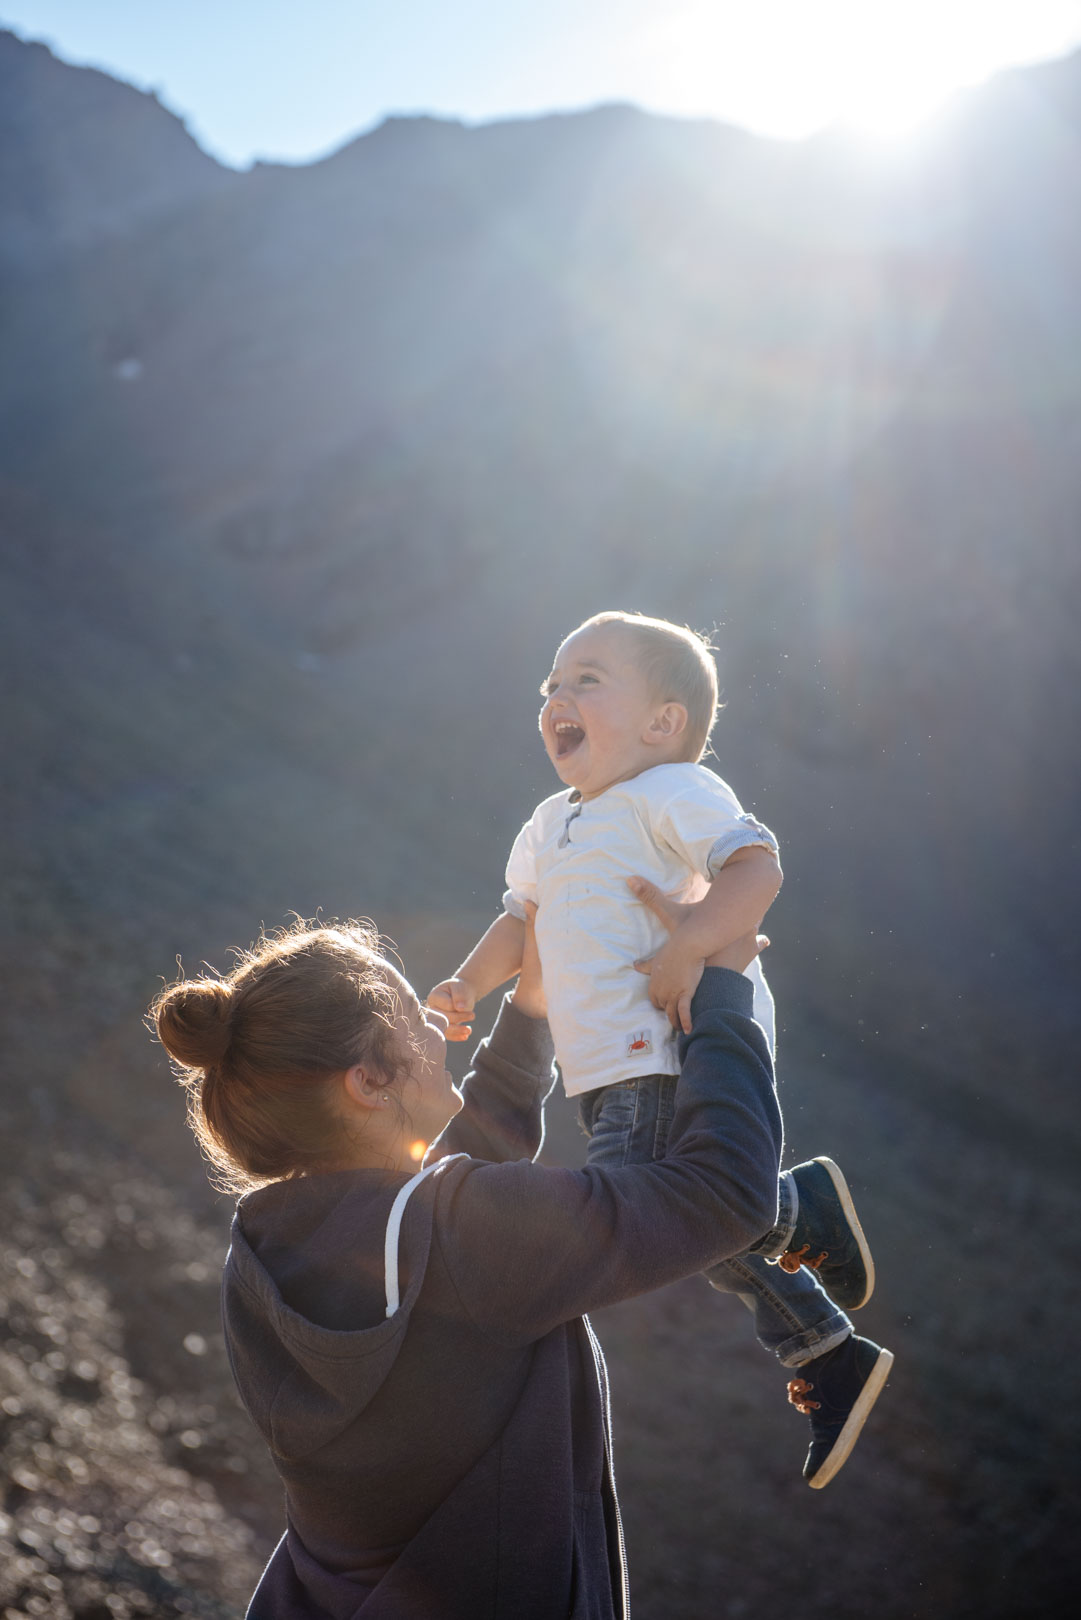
column 303, row 473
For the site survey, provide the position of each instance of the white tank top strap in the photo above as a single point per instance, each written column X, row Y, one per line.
column 394, row 1227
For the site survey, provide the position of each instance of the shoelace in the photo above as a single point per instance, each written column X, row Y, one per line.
column 798, row 1391
column 792, row 1259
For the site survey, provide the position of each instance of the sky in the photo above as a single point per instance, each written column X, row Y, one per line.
column 293, row 79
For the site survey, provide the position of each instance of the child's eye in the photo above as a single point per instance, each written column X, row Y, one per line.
column 584, row 679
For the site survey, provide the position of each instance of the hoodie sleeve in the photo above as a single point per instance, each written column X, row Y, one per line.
column 502, row 1115
column 527, row 1247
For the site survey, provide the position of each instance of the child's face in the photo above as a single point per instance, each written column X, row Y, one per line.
column 600, row 722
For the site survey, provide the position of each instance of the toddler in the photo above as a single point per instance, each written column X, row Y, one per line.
column 628, row 710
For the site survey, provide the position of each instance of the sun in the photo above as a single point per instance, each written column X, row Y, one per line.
column 894, row 73
column 789, row 67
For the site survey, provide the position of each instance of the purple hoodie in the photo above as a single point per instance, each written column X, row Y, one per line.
column 452, row 1461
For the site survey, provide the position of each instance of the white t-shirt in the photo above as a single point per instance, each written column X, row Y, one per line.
column 675, row 825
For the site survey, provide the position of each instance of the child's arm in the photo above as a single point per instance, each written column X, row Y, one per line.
column 493, row 960
column 738, row 899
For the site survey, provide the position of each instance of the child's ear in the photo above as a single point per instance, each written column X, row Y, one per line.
column 667, row 723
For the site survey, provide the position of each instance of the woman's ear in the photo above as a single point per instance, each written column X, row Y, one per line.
column 365, row 1087
column 667, row 723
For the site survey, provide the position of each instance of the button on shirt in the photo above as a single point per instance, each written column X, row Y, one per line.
column 676, row 825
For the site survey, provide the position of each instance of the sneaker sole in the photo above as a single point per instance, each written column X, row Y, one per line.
column 842, row 1446
column 840, row 1187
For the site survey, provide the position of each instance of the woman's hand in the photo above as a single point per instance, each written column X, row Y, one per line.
column 674, row 975
column 528, row 994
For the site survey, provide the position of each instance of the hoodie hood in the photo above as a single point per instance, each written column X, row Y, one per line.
column 289, row 1293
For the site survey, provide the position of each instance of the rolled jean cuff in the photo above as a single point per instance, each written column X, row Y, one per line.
column 805, row 1347
column 779, row 1236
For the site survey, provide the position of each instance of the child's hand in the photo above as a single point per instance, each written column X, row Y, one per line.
column 455, row 999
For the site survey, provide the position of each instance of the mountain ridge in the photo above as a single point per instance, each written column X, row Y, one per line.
column 103, row 157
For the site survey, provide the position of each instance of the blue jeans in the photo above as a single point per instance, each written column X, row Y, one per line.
column 794, row 1317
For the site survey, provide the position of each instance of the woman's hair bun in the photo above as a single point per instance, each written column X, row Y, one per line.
column 194, row 1021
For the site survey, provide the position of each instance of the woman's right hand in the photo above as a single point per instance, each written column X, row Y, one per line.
column 737, row 956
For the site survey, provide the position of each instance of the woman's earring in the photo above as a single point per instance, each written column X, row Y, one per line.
column 384, row 1096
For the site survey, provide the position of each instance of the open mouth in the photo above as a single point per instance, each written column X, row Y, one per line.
column 568, row 736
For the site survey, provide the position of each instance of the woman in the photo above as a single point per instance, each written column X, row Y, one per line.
column 413, row 1346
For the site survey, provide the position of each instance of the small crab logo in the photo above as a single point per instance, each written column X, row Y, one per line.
column 639, row 1042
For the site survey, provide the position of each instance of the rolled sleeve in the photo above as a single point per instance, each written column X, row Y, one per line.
column 746, row 832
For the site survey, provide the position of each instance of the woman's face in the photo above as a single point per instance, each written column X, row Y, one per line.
column 426, row 1092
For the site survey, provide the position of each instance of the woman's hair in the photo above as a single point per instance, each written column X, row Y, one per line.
column 678, row 665
column 259, row 1051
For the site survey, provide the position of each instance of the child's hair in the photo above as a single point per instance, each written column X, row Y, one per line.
column 258, row 1051
column 678, row 664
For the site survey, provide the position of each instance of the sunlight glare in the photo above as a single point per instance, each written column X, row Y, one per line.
column 894, row 81
column 786, row 68
column 898, row 73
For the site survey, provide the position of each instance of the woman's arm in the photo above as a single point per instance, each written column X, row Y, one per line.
column 530, row 1247
column 505, row 1091
column 502, row 1114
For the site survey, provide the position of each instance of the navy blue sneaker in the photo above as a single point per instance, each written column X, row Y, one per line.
column 837, row 1391
column 828, row 1238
